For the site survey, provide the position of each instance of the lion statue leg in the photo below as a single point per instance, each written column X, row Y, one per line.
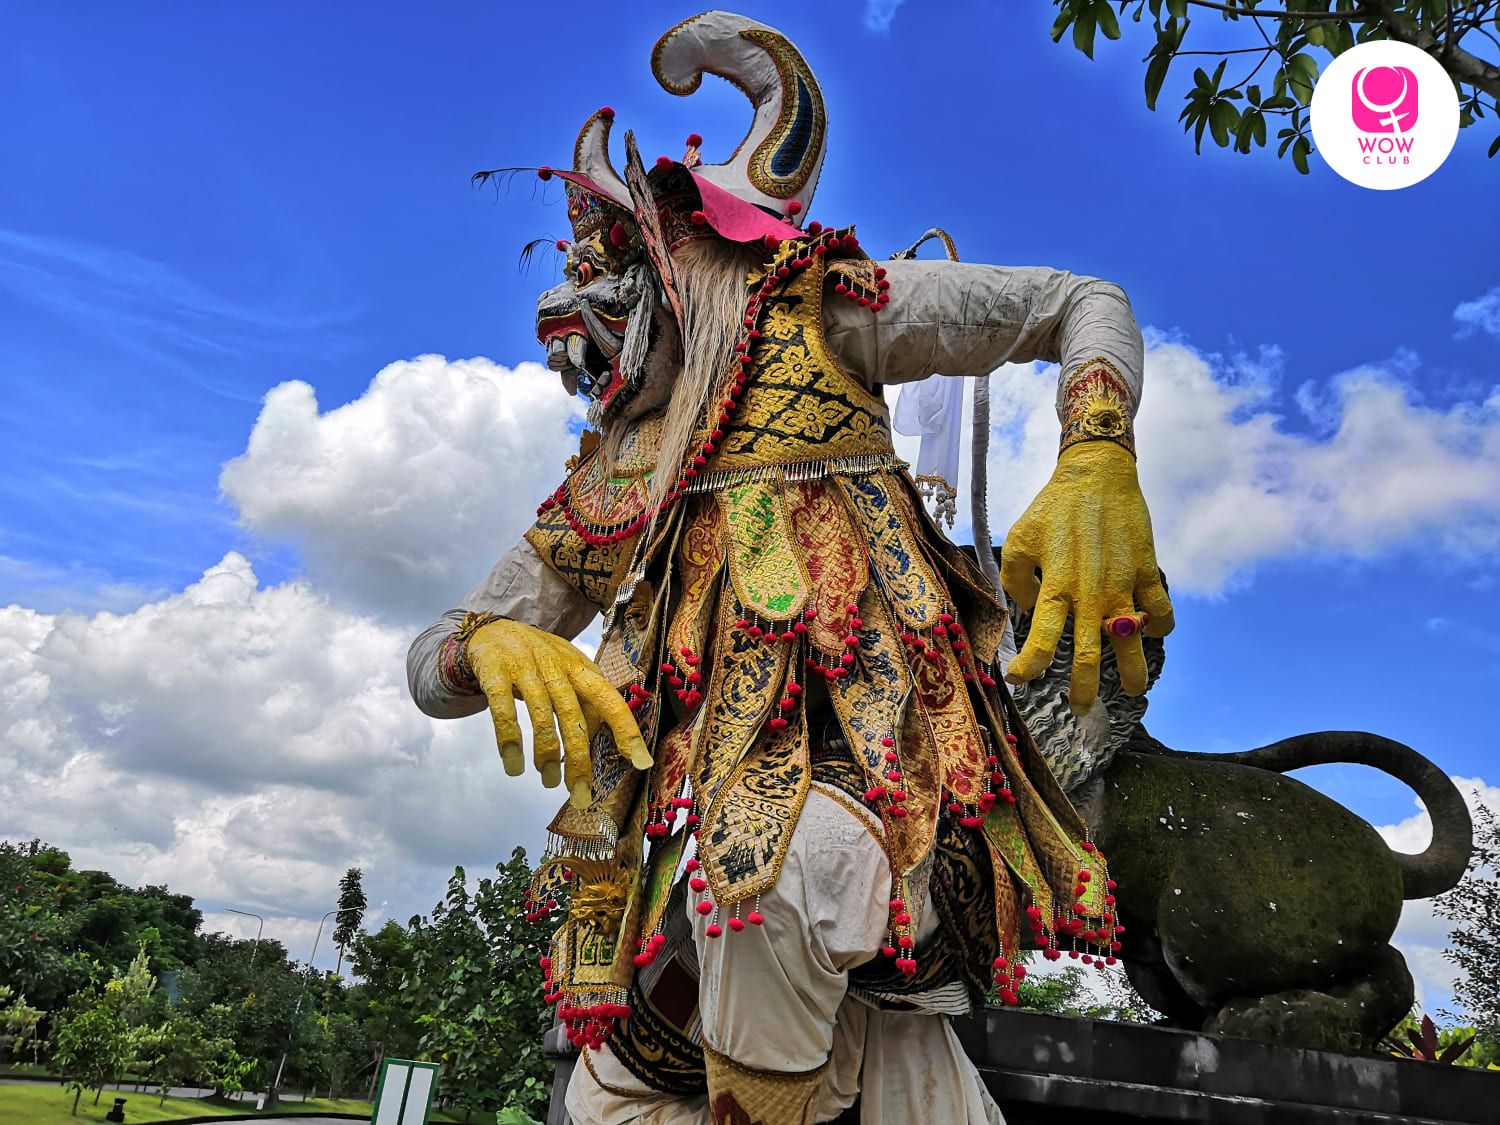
column 1349, row 1016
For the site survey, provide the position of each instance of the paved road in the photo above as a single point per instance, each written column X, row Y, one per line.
column 127, row 1088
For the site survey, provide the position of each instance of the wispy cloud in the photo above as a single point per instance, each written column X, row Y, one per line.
column 1482, row 314
column 880, row 13
column 76, row 586
column 146, row 307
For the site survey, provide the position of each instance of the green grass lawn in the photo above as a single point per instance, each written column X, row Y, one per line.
column 52, row 1105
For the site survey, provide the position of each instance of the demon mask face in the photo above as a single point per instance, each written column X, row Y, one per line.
column 611, row 329
column 605, row 328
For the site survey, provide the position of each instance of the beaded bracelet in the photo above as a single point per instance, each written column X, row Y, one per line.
column 454, row 672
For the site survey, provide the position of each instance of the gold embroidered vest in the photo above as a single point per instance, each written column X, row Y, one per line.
column 797, row 570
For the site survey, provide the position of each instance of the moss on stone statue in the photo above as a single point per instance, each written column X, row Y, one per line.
column 1243, row 883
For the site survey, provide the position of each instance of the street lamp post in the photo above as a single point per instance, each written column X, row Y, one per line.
column 254, row 948
column 275, row 1090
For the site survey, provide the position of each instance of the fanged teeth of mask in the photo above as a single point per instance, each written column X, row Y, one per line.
column 578, row 348
column 570, row 357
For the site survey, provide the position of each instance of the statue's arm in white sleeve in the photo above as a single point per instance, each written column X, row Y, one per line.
column 1084, row 547
column 963, row 319
column 520, row 587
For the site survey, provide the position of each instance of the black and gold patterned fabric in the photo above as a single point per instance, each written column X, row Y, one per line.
column 653, row 1046
column 797, row 564
column 799, row 405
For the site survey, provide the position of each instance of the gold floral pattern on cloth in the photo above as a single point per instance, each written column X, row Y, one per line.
column 944, row 699
column 984, row 614
column 674, row 757
column 914, row 590
column 738, row 1095
column 603, row 498
column 1007, row 836
column 768, row 572
column 1054, row 827
column 800, row 406
column 594, row 571
column 872, row 707
column 1097, row 405
column 700, row 559
column 627, row 646
column 1007, row 902
column 836, row 557
column 595, row 831
column 747, row 828
column 746, row 681
column 857, row 274
column 657, row 883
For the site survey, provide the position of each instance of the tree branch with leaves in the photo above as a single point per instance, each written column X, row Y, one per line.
column 1268, row 56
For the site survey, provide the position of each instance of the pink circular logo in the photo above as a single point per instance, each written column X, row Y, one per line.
column 1384, row 115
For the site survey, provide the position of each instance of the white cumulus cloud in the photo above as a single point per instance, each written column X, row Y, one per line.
column 1231, row 484
column 400, row 500
column 246, row 744
column 880, row 13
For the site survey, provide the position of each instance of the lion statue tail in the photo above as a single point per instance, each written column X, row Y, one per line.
column 1430, row 872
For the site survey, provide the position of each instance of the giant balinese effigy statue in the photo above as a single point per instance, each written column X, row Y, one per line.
column 807, row 823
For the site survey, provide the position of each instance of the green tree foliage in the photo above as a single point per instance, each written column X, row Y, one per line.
column 1474, row 943
column 1075, row 991
column 475, row 981
column 56, row 923
column 351, row 915
column 254, row 993
column 80, row 954
column 22, row 1026
column 1269, row 53
column 382, row 962
column 134, row 994
column 93, row 1047
column 39, row 955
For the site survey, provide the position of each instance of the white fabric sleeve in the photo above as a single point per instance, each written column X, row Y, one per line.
column 521, row 587
column 956, row 318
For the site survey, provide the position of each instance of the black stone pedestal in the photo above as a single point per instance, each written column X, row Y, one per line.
column 1045, row 1070
column 1054, row 1068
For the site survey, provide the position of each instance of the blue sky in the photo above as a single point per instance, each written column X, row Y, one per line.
column 203, row 202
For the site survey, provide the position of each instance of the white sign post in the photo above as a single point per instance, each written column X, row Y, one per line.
column 404, row 1095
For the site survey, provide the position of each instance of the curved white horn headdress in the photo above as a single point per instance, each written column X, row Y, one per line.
column 776, row 166
column 591, row 156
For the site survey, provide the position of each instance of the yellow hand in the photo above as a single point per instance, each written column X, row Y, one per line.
column 1089, row 533
column 565, row 694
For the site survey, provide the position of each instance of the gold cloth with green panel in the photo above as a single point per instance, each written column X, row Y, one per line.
column 799, row 569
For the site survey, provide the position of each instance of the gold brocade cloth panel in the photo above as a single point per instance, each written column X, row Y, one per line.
column 800, row 559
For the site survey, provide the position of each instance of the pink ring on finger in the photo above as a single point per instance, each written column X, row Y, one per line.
column 1124, row 625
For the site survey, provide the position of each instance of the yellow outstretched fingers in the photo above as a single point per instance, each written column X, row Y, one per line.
column 1089, row 533
column 566, row 696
